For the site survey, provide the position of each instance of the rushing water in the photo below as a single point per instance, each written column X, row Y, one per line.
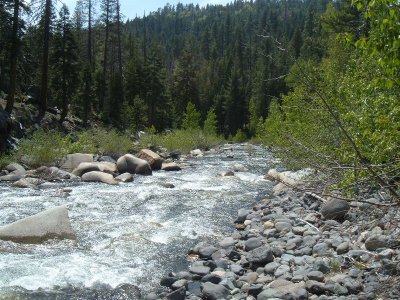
column 133, row 233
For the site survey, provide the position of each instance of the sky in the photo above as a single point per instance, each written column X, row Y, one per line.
column 132, row 8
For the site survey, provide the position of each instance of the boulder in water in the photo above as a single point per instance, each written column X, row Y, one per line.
column 126, row 177
column 154, row 160
column 27, row 183
column 170, row 167
column 97, row 176
column 86, row 167
column 50, row 174
column 49, row 224
column 72, row 161
column 134, row 165
column 15, row 172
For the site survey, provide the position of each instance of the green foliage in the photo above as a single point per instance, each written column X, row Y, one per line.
column 240, row 136
column 191, row 117
column 42, row 148
column 210, row 124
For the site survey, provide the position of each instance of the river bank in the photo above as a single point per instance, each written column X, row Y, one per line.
column 295, row 246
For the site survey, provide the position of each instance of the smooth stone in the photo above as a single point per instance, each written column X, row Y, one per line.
column 316, row 275
column 315, row 287
column 237, row 269
column 199, row 270
column 179, row 284
column 260, row 255
column 320, row 249
column 179, row 294
column 335, row 209
column 213, row 278
column 282, row 270
column 242, row 215
column 343, row 248
column 283, row 226
column 170, row 167
column 96, row 176
column 206, row 252
column 125, row 177
column 49, row 224
column 213, row 291
column 227, row 242
column 24, row 183
column 134, row 165
column 252, row 244
column 271, row 267
column 72, row 161
column 298, row 230
column 268, row 225
column 376, row 241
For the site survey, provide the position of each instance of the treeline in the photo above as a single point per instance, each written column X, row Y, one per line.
column 144, row 72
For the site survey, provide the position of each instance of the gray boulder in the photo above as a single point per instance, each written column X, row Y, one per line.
column 155, row 161
column 213, row 291
column 15, row 172
column 126, row 177
column 27, row 183
column 335, row 209
column 134, row 165
column 260, row 255
column 85, row 167
column 72, row 161
column 97, row 176
column 170, row 167
column 49, row 224
column 50, row 174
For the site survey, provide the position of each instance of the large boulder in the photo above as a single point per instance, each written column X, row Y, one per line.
column 49, row 224
column 126, row 177
column 86, row 167
column 28, row 182
column 155, row 161
column 286, row 180
column 335, row 209
column 134, row 165
column 16, row 172
column 97, row 176
column 50, row 174
column 72, row 161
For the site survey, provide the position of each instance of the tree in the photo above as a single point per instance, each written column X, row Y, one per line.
column 191, row 117
column 210, row 124
column 47, row 14
column 64, row 61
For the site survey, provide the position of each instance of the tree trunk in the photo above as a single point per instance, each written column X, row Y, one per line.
column 13, row 58
column 105, row 58
column 45, row 59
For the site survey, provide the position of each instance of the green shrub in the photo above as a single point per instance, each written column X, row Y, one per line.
column 42, row 148
column 240, row 136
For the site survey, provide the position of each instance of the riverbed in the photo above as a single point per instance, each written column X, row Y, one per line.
column 134, row 233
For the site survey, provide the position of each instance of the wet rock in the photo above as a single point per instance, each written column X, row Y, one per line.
column 125, row 177
column 49, row 224
column 96, row 176
column 206, row 252
column 199, row 270
column 335, row 209
column 179, row 294
column 168, row 281
column 213, row 278
column 179, row 284
column 228, row 174
column 375, row 242
column 15, row 172
column 242, row 215
column 227, row 242
column 170, row 167
column 27, row 183
column 167, row 185
column 214, row 291
column 196, row 153
column 155, row 161
column 134, row 165
column 50, row 174
column 72, row 161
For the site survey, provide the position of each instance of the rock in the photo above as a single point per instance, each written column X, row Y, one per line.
column 106, row 158
column 177, row 295
column 155, row 161
column 50, row 174
column 167, row 185
column 15, row 172
column 132, row 164
column 168, row 281
column 252, row 244
column 315, row 287
column 206, row 252
column 72, row 161
column 49, row 224
column 320, row 249
column 96, row 176
column 227, row 242
column 227, row 174
column 242, row 215
column 86, row 167
column 283, row 226
column 316, row 275
column 179, row 284
column 168, row 167
column 199, row 270
column 125, row 177
column 283, row 289
column 343, row 248
column 196, row 153
column 27, row 183
column 213, row 291
column 335, row 209
column 375, row 242
column 213, row 278
column 260, row 255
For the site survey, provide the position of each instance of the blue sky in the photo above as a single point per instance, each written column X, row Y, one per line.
column 131, row 8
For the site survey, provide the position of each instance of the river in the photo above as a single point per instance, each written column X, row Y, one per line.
column 134, row 233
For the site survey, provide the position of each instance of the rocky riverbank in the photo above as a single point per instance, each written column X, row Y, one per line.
column 295, row 246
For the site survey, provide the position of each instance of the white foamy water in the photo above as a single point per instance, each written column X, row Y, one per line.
column 133, row 233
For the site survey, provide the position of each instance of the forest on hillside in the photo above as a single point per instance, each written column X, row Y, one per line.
column 317, row 79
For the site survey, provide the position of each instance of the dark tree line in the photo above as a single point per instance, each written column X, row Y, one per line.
column 144, row 72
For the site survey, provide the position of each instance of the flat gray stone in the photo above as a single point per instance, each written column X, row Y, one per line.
column 213, row 291
column 49, row 224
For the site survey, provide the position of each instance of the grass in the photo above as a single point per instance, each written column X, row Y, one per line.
column 182, row 140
